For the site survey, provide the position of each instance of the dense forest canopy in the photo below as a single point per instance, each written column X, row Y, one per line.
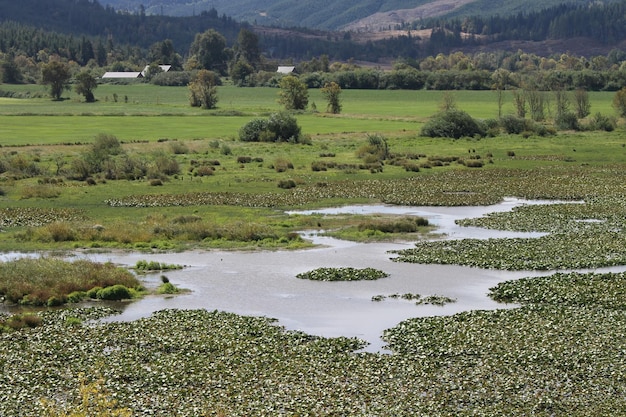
column 90, row 18
column 605, row 23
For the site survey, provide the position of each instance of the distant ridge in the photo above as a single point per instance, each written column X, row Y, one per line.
column 358, row 15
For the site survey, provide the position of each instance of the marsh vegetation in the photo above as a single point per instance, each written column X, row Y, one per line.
column 67, row 185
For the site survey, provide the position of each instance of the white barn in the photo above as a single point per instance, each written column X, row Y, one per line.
column 133, row 74
column 285, row 69
column 122, row 74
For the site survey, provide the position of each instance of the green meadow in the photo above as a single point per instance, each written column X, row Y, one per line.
column 148, row 112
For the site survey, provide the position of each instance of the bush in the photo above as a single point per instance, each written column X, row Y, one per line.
column 619, row 102
column 167, row 288
column 318, row 166
column 93, row 293
column 115, row 292
column 282, row 165
column 453, row 124
column 515, row 125
column 251, row 131
column 172, row 78
column 54, row 301
column 279, row 127
column 204, row 171
column 602, row 122
column 284, row 126
column 286, row 184
column 567, row 121
column 473, row 163
column 76, row 296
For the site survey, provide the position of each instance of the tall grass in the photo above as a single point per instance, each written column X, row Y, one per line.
column 37, row 281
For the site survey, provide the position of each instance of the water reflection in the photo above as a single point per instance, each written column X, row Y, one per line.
column 265, row 283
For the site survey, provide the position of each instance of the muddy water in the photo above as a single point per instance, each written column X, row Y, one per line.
column 265, row 283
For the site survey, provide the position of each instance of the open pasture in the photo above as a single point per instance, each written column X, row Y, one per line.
column 147, row 112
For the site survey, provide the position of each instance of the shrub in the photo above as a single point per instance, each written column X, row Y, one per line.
column 244, row 159
column 251, row 131
column 514, row 125
column 54, row 301
column 473, row 163
column 286, row 184
column 115, row 292
column 567, row 121
column 172, row 78
column 453, row 124
column 317, row 166
column 282, row 165
column 284, row 126
column 619, row 102
column 178, row 148
column 60, row 232
column 204, row 171
column 167, row 288
column 93, row 293
column 76, row 296
column 411, row 167
column 602, row 122
column 279, row 127
column 225, row 150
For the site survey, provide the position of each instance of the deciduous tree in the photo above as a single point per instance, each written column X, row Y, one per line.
column 294, row 94
column 203, row 90
column 56, row 74
column 331, row 92
column 209, row 49
column 619, row 102
column 85, row 84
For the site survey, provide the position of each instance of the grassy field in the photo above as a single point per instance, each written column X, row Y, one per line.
column 148, row 112
column 560, row 353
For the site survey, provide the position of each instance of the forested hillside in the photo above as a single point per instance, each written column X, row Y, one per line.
column 81, row 30
column 605, row 23
column 333, row 15
column 90, row 18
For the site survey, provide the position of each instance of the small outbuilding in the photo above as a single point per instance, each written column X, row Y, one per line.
column 164, row 68
column 285, row 70
column 122, row 74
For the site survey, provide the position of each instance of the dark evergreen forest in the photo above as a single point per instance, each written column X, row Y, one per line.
column 63, row 27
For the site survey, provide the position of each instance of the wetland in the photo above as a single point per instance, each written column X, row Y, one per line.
column 538, row 226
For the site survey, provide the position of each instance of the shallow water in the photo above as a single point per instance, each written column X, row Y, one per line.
column 264, row 283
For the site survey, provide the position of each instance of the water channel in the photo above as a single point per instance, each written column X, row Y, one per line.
column 264, row 283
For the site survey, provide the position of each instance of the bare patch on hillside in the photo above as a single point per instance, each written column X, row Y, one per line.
column 386, row 20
